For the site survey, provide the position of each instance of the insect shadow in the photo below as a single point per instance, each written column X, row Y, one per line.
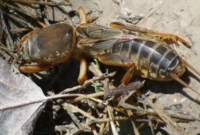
column 171, row 87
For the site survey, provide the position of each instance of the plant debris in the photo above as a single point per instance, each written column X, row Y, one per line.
column 100, row 105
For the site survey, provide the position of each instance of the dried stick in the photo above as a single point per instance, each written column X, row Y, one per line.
column 133, row 123
column 20, row 20
column 84, row 114
column 102, row 126
column 39, row 100
column 63, row 8
column 165, row 117
column 94, row 131
column 41, row 2
column 113, row 126
column 105, row 120
column 138, row 110
column 74, row 118
column 149, row 118
column 10, row 52
column 5, row 28
column 95, row 69
column 79, row 110
column 88, row 82
column 106, row 129
column 19, row 30
column 93, row 95
column 21, row 11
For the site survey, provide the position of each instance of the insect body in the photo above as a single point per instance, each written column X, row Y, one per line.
column 51, row 45
column 150, row 59
column 43, row 48
column 147, row 56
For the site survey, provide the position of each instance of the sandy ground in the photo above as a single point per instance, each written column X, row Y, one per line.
column 181, row 17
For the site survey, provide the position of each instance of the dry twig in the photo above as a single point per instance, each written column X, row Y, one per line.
column 5, row 29
column 88, row 82
column 40, row 2
column 165, row 117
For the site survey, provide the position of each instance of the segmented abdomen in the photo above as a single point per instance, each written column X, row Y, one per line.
column 151, row 59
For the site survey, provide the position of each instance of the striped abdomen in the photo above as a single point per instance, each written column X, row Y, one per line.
column 153, row 60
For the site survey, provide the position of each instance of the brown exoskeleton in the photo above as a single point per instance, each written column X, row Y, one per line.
column 49, row 46
column 148, row 55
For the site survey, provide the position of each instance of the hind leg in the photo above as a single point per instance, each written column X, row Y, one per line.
column 165, row 37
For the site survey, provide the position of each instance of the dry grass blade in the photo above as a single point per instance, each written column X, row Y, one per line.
column 2, row 46
column 5, row 29
column 74, row 118
column 20, row 20
column 129, row 113
column 105, row 120
column 125, row 105
column 113, row 126
column 19, row 30
column 41, row 2
column 21, row 10
column 93, row 95
column 95, row 69
column 88, row 82
column 165, row 117
column 99, row 112
column 38, row 101
column 79, row 110
column 150, row 122
column 102, row 126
